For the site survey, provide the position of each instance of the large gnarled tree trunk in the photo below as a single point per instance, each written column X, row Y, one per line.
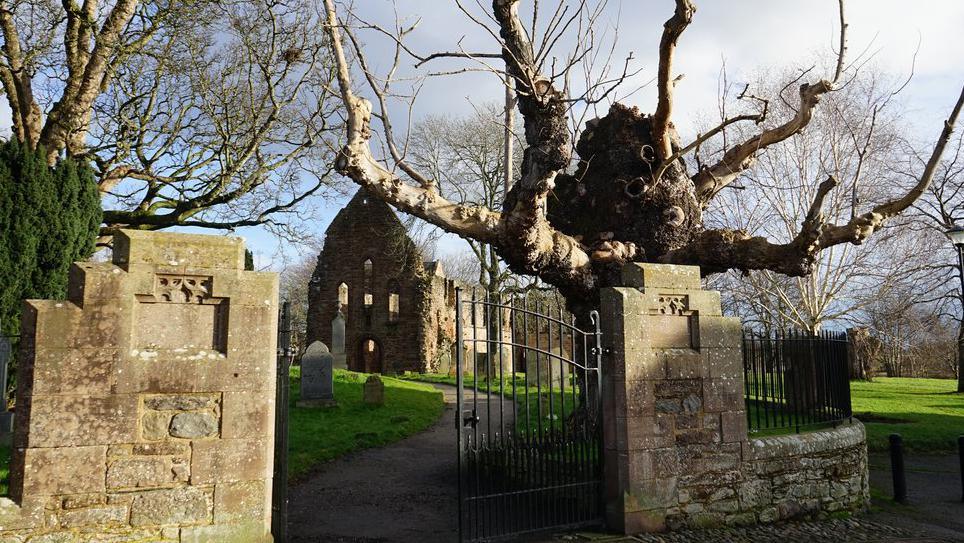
column 630, row 197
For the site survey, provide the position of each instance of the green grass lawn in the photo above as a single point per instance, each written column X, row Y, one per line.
column 927, row 413
column 4, row 469
column 318, row 435
column 533, row 416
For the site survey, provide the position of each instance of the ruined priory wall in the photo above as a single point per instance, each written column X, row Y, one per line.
column 367, row 229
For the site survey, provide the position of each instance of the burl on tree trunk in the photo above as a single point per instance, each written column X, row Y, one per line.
column 630, row 197
column 614, row 193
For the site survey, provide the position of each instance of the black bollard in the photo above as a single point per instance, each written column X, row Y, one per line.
column 897, row 468
column 960, row 452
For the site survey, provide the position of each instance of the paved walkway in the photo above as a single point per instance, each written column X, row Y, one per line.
column 934, row 507
column 405, row 492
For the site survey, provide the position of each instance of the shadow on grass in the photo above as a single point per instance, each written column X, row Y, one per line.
column 320, row 434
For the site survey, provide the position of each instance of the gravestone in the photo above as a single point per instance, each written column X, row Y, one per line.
column 445, row 365
column 317, row 387
column 544, row 370
column 374, row 391
column 6, row 417
column 339, row 358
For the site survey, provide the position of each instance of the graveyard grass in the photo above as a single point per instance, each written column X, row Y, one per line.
column 317, row 435
column 927, row 413
column 537, row 417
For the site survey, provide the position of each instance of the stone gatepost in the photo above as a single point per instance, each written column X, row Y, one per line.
column 145, row 402
column 673, row 408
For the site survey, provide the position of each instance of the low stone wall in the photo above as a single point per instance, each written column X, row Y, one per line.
column 782, row 477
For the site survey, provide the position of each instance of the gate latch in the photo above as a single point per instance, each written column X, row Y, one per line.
column 470, row 418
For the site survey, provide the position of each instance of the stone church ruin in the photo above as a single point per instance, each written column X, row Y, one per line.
column 374, row 301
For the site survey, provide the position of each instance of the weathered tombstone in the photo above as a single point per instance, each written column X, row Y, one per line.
column 544, row 370
column 340, row 360
column 445, row 366
column 317, row 387
column 6, row 417
column 374, row 391
column 338, row 333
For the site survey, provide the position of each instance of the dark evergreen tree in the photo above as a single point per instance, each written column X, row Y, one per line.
column 45, row 225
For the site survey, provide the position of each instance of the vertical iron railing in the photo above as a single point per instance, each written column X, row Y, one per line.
column 794, row 379
column 279, row 499
column 528, row 423
column 7, row 353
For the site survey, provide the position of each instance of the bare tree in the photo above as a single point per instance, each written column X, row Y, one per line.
column 463, row 267
column 631, row 196
column 295, row 283
column 941, row 208
column 854, row 139
column 209, row 113
column 466, row 156
column 912, row 340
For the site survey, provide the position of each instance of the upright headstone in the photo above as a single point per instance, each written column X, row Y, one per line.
column 317, row 386
column 6, row 417
column 374, row 391
column 544, row 370
column 339, row 358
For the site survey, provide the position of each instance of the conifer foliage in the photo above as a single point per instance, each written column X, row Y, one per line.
column 49, row 218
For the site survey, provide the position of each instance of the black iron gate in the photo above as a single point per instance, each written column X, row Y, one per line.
column 529, row 424
column 279, row 491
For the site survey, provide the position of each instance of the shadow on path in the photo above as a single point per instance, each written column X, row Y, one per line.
column 404, row 492
column 934, row 507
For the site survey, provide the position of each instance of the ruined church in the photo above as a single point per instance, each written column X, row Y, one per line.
column 372, row 299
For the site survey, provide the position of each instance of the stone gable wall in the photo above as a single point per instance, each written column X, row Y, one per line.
column 367, row 228
column 676, row 449
column 145, row 406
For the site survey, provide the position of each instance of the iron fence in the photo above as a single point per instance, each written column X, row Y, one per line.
column 8, row 353
column 794, row 379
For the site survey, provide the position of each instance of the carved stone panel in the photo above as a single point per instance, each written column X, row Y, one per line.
column 180, row 319
column 674, row 324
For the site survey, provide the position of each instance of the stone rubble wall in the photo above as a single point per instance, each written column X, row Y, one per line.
column 675, row 440
column 368, row 229
column 807, row 475
column 145, row 407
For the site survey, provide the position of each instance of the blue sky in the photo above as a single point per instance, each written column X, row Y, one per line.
column 751, row 35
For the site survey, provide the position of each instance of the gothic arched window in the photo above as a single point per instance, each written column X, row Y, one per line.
column 368, row 269
column 393, row 301
column 342, row 297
